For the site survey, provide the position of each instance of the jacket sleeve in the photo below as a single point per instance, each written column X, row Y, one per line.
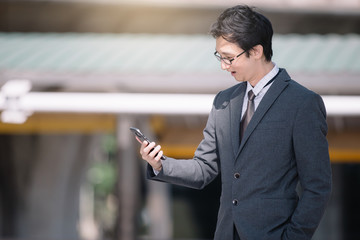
column 197, row 172
column 314, row 169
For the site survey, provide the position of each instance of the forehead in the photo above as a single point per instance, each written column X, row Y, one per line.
column 225, row 47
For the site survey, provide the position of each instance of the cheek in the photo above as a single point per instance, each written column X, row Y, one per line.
column 239, row 68
column 244, row 66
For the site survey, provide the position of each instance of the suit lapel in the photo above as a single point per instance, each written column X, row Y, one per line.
column 279, row 84
column 236, row 104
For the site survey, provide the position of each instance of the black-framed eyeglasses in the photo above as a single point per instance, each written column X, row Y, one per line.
column 226, row 60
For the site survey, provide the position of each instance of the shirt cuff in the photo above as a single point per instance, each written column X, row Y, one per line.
column 156, row 172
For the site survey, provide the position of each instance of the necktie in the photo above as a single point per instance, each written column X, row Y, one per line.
column 248, row 113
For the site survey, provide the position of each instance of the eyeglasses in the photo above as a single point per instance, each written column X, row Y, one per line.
column 226, row 60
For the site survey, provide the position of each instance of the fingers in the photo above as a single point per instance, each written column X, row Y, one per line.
column 152, row 154
column 138, row 139
column 159, row 155
column 146, row 148
column 143, row 145
column 154, row 151
column 149, row 150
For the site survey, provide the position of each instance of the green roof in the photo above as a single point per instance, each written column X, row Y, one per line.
column 145, row 53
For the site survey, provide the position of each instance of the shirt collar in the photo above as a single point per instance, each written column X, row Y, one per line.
column 262, row 83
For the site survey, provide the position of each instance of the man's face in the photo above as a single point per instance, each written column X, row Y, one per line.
column 241, row 67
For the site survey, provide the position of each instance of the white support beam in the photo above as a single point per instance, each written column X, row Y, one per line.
column 342, row 105
column 135, row 103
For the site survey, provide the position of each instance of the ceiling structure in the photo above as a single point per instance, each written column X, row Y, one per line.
column 161, row 63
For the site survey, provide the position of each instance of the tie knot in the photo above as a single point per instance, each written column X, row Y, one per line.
column 251, row 95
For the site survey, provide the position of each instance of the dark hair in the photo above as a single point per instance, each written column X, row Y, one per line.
column 245, row 27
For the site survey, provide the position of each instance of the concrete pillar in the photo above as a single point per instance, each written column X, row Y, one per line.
column 128, row 179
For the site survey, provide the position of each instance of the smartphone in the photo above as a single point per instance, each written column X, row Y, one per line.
column 142, row 138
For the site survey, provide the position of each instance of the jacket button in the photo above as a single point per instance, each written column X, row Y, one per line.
column 235, row 202
column 236, row 175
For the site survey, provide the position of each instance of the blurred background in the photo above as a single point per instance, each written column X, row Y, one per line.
column 69, row 166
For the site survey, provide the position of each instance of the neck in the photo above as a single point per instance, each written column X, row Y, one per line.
column 263, row 69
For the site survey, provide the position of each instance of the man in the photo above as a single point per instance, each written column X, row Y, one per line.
column 264, row 135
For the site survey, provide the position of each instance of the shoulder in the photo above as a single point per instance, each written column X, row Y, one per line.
column 294, row 88
column 301, row 93
column 302, row 97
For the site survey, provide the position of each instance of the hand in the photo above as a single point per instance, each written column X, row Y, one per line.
column 151, row 154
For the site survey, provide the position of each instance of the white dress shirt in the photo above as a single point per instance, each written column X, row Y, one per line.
column 260, row 89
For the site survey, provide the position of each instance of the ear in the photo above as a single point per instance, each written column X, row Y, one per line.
column 257, row 51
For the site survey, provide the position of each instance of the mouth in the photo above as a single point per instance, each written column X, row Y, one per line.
column 233, row 73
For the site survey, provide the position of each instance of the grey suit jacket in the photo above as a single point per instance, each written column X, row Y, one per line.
column 284, row 143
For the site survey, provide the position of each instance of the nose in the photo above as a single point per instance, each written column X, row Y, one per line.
column 224, row 66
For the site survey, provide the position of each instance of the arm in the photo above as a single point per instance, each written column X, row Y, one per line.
column 194, row 173
column 314, row 170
